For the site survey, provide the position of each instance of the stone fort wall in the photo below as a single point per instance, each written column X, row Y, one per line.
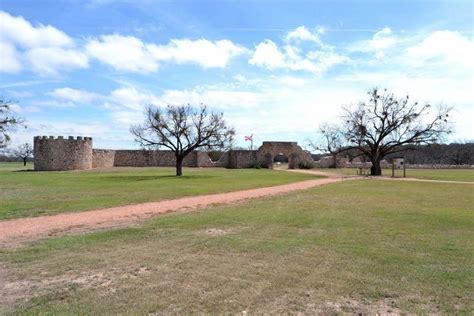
column 53, row 153
column 103, row 158
column 59, row 153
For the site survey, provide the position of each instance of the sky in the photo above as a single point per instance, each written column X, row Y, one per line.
column 276, row 69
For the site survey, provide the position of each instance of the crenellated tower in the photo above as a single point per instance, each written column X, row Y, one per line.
column 57, row 154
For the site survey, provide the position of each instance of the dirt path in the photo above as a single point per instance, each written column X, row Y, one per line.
column 319, row 173
column 18, row 231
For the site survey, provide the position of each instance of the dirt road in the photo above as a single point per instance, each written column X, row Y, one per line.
column 18, row 231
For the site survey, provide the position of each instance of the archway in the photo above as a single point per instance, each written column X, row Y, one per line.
column 293, row 153
column 280, row 161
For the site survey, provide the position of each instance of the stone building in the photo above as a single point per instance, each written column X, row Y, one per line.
column 59, row 153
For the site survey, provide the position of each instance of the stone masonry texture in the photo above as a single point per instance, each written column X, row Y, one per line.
column 76, row 153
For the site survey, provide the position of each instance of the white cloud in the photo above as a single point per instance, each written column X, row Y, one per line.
column 123, row 98
column 19, row 31
column 301, row 33
column 207, row 54
column 49, row 51
column 381, row 41
column 317, row 58
column 51, row 60
column 43, row 49
column 268, row 55
column 442, row 47
column 9, row 61
column 127, row 105
column 73, row 95
column 131, row 54
column 326, row 59
column 122, row 53
column 131, row 98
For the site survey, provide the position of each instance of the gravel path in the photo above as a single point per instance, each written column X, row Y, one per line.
column 18, row 231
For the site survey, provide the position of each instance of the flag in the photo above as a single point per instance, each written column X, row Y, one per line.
column 249, row 138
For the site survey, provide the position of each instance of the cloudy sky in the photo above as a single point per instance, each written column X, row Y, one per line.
column 277, row 69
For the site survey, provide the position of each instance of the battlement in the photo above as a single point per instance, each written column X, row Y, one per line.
column 278, row 143
column 69, row 138
column 60, row 153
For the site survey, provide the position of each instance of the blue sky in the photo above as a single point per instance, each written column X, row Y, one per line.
column 277, row 69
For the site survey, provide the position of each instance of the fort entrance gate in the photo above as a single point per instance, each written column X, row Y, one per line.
column 296, row 155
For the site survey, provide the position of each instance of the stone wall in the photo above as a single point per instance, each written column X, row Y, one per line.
column 151, row 158
column 223, row 161
column 77, row 154
column 56, row 154
column 103, row 158
column 203, row 160
column 242, row 159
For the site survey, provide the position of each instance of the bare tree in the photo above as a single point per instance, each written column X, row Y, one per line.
column 183, row 129
column 330, row 141
column 384, row 124
column 24, row 152
column 8, row 121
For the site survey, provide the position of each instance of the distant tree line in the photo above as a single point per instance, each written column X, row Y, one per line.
column 459, row 153
column 4, row 157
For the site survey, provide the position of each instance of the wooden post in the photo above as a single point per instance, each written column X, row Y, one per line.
column 393, row 168
column 404, row 169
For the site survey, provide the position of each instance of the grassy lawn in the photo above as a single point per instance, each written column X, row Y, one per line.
column 442, row 174
column 358, row 246
column 431, row 174
column 27, row 193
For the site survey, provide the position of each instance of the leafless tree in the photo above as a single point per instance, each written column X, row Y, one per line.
column 384, row 124
column 330, row 141
column 9, row 121
column 183, row 129
column 460, row 153
column 24, row 152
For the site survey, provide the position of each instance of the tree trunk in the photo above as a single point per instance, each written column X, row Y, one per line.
column 334, row 161
column 24, row 162
column 376, row 170
column 179, row 166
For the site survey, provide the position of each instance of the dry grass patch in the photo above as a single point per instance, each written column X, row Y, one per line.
column 352, row 247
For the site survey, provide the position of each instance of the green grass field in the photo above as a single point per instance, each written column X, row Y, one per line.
column 358, row 246
column 28, row 193
column 429, row 174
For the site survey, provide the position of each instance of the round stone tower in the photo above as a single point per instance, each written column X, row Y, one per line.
column 57, row 154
